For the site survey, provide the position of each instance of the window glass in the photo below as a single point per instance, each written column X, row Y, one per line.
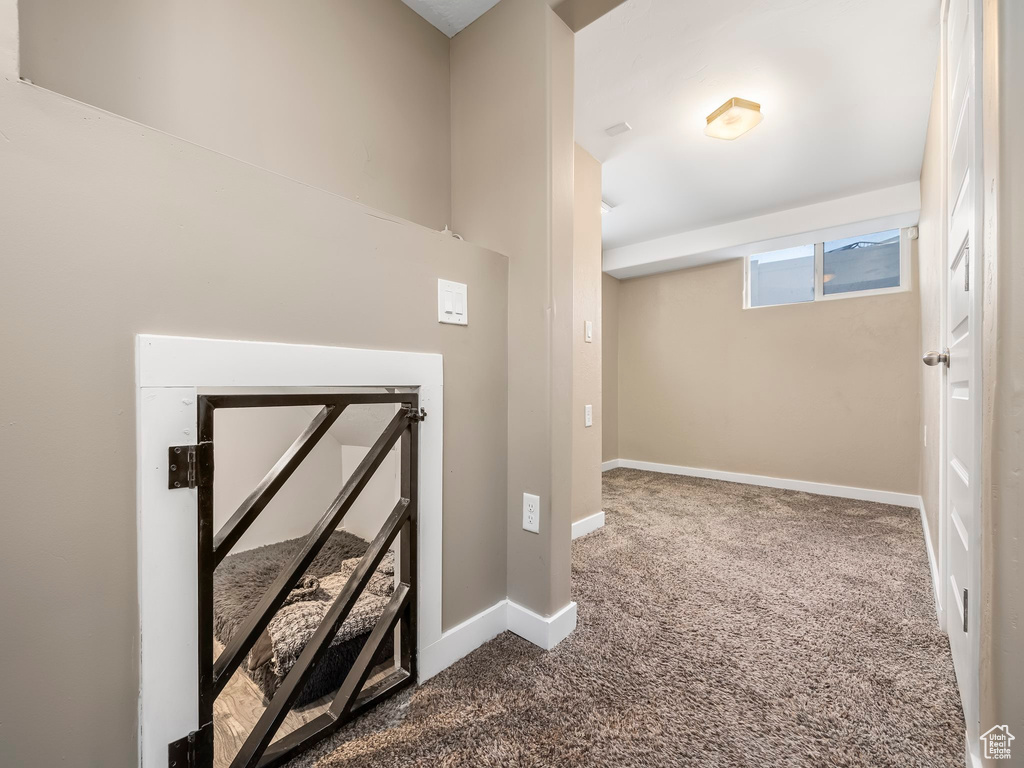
column 863, row 263
column 782, row 277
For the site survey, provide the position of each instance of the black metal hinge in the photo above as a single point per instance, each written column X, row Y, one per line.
column 189, row 466
column 415, row 414
column 192, row 751
column 965, row 610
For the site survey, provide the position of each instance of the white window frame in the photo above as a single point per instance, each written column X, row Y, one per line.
column 819, row 272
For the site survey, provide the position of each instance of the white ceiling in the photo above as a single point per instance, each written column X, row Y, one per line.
column 845, row 88
column 451, row 16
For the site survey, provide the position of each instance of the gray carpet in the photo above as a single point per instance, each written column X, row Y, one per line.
column 719, row 625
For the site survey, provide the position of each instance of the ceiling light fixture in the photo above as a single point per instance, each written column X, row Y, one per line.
column 618, row 129
column 733, row 119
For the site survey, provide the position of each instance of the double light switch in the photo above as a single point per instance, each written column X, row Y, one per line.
column 452, row 303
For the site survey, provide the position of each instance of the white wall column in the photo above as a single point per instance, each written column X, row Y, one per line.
column 9, row 37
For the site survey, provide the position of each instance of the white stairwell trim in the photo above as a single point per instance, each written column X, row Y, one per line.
column 971, row 758
column 588, row 525
column 169, row 371
column 824, row 489
column 610, row 464
column 544, row 631
column 933, row 562
column 462, row 640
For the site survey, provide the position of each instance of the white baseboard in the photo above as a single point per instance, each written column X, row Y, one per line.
column 545, row 631
column 588, row 525
column 463, row 639
column 610, row 464
column 824, row 489
column 933, row 564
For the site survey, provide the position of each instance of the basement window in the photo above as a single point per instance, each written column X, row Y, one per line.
column 863, row 265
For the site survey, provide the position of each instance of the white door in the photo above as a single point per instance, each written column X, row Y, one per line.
column 963, row 377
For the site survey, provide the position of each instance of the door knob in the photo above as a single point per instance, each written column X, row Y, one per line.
column 937, row 358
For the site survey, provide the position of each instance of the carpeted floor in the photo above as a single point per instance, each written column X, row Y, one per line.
column 719, row 625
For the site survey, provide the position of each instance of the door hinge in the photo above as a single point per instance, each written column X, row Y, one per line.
column 192, row 751
column 189, row 466
column 415, row 414
column 967, row 268
column 965, row 610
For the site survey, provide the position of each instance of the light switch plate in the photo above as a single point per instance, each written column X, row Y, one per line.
column 588, row 415
column 452, row 303
column 588, row 331
column 531, row 513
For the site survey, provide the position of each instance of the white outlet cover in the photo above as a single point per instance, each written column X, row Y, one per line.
column 588, row 415
column 452, row 303
column 531, row 513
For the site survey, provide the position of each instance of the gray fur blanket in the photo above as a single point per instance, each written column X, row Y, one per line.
column 242, row 579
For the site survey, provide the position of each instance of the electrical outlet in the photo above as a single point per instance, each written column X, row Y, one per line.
column 588, row 415
column 531, row 513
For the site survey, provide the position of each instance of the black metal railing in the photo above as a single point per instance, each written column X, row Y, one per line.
column 193, row 466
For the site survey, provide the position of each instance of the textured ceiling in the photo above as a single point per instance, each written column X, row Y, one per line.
column 845, row 87
column 451, row 16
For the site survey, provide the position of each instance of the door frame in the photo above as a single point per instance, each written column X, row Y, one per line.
column 976, row 271
column 169, row 372
column 942, row 555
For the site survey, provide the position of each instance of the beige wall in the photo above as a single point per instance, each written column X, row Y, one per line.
column 579, row 13
column 586, row 357
column 930, row 269
column 109, row 230
column 609, row 368
column 825, row 392
column 512, row 166
column 347, row 95
column 1002, row 620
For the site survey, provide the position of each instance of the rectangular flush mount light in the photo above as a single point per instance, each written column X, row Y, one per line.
column 618, row 129
column 733, row 119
